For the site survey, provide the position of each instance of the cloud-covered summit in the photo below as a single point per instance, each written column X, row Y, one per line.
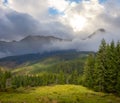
column 68, row 19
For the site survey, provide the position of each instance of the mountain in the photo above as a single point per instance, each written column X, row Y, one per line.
column 29, row 44
column 101, row 30
column 40, row 44
column 40, row 38
column 27, row 59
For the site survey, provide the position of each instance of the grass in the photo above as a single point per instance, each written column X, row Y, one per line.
column 57, row 94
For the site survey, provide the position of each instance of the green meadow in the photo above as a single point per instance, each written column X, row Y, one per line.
column 57, row 94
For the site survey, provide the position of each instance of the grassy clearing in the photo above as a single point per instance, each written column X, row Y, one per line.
column 57, row 94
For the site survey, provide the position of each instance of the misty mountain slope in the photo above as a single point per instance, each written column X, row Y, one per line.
column 40, row 44
column 29, row 44
column 55, row 63
column 16, row 61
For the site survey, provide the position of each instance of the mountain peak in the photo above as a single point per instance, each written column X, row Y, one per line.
column 101, row 30
column 30, row 44
column 38, row 37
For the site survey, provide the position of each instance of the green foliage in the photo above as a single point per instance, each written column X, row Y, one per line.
column 50, row 71
column 45, row 78
column 88, row 71
column 100, row 68
column 103, row 74
column 57, row 94
column 53, row 65
column 4, row 76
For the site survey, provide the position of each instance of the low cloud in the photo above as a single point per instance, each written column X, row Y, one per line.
column 19, row 18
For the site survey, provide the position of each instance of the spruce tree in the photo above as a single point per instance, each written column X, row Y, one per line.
column 118, row 67
column 111, row 68
column 100, row 68
column 89, row 71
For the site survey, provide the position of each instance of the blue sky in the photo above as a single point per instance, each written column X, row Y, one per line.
column 102, row 1
column 5, row 1
column 54, row 11
column 77, row 1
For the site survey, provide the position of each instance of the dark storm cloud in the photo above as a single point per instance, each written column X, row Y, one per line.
column 15, row 24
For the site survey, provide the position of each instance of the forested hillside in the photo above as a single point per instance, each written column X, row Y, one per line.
column 13, row 62
column 61, row 67
column 102, row 71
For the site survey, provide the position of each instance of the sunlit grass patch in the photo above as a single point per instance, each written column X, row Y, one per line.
column 57, row 94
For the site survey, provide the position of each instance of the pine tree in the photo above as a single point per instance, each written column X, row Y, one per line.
column 100, row 68
column 118, row 67
column 74, row 77
column 111, row 68
column 61, row 78
column 89, row 71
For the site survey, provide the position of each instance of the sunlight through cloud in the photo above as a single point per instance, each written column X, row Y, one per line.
column 78, row 22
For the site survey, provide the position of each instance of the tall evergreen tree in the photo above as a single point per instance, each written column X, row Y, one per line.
column 89, row 71
column 111, row 69
column 100, row 68
column 118, row 67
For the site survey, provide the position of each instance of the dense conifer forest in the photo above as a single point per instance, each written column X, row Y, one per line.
column 102, row 70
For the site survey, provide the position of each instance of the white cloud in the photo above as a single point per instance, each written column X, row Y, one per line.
column 60, row 5
column 82, row 15
column 0, row 2
column 36, row 8
column 87, row 13
column 78, row 20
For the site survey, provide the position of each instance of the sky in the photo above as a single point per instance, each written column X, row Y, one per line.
column 67, row 19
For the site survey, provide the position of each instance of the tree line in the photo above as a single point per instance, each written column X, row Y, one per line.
column 62, row 73
column 44, row 79
column 102, row 70
column 4, row 76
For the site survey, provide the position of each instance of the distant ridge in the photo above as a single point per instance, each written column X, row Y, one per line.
column 35, row 37
column 29, row 44
column 38, row 37
column 102, row 30
column 14, row 61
